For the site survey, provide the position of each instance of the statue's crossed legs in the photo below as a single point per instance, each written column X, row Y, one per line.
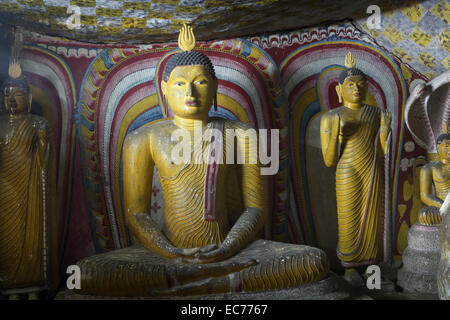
column 263, row 265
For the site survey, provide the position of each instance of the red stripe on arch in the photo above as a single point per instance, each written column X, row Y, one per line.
column 299, row 89
column 117, row 73
column 240, row 96
column 245, row 67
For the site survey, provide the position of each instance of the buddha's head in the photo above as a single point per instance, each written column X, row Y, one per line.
column 443, row 146
column 352, row 87
column 16, row 92
column 189, row 83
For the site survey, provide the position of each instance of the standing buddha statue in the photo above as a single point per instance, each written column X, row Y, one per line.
column 354, row 137
column 213, row 211
column 28, row 255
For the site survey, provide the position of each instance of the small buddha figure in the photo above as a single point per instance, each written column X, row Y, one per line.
column 443, row 273
column 28, row 255
column 420, row 258
column 354, row 138
column 435, row 174
column 213, row 211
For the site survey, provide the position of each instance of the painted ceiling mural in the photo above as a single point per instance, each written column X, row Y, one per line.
column 417, row 34
column 415, row 31
column 144, row 21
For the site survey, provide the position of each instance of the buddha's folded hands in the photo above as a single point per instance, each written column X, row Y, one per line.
column 208, row 254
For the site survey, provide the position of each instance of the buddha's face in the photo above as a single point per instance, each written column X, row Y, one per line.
column 16, row 100
column 444, row 150
column 190, row 91
column 354, row 89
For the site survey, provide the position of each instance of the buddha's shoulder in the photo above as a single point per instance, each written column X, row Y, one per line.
column 375, row 109
column 332, row 113
column 236, row 124
column 436, row 165
column 150, row 131
column 35, row 120
column 160, row 126
column 432, row 166
column 154, row 127
column 38, row 121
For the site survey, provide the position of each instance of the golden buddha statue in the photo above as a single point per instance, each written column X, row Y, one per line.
column 354, row 138
column 28, row 255
column 213, row 212
column 435, row 174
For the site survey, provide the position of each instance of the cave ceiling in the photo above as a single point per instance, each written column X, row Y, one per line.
column 142, row 22
column 415, row 31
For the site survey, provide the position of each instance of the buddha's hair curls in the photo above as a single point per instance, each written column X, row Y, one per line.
column 188, row 58
column 348, row 72
column 19, row 82
column 442, row 137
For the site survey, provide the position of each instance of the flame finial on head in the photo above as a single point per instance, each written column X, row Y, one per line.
column 350, row 60
column 186, row 38
column 15, row 71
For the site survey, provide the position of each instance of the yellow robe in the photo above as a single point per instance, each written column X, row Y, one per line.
column 25, row 224
column 442, row 187
column 359, row 188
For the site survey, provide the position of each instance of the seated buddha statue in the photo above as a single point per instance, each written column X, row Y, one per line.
column 354, row 138
column 213, row 211
column 28, row 250
column 421, row 271
column 435, row 174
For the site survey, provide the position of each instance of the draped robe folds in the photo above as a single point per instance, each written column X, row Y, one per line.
column 359, row 193
column 139, row 271
column 442, row 187
column 26, row 226
column 184, row 204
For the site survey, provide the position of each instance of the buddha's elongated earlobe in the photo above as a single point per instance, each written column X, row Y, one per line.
column 339, row 93
column 30, row 99
column 163, row 98
column 164, row 104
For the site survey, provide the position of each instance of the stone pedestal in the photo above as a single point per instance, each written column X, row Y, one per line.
column 326, row 289
column 420, row 260
column 443, row 276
